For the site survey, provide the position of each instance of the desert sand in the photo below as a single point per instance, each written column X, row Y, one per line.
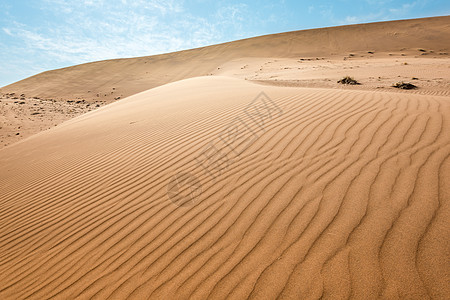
column 21, row 117
column 240, row 170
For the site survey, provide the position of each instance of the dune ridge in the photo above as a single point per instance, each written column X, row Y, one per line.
column 107, row 80
column 339, row 194
column 378, row 55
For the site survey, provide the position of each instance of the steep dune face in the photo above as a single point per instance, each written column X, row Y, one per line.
column 107, row 80
column 208, row 188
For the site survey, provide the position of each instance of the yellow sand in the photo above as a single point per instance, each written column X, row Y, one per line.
column 333, row 192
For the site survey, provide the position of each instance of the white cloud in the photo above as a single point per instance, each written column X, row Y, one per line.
column 93, row 30
column 362, row 19
column 405, row 8
column 384, row 13
column 7, row 31
column 71, row 32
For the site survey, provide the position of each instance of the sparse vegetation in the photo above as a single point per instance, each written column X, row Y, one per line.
column 348, row 80
column 404, row 85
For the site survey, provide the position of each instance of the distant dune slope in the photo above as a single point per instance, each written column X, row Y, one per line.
column 332, row 194
column 124, row 77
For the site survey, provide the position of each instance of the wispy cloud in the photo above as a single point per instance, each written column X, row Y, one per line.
column 382, row 10
column 89, row 30
column 7, row 31
column 96, row 29
column 46, row 34
column 363, row 18
column 404, row 8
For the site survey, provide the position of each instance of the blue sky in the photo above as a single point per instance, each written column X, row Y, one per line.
column 39, row 35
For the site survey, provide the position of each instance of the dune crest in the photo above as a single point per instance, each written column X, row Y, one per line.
column 109, row 79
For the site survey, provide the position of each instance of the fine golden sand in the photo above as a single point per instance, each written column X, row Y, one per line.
column 234, row 185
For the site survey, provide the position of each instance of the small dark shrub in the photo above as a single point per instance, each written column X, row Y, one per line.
column 404, row 85
column 348, row 80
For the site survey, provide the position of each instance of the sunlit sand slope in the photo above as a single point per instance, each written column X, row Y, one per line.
column 332, row 194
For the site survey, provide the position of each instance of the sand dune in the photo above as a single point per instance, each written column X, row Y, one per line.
column 107, row 80
column 23, row 117
column 314, row 193
column 240, row 170
column 377, row 54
